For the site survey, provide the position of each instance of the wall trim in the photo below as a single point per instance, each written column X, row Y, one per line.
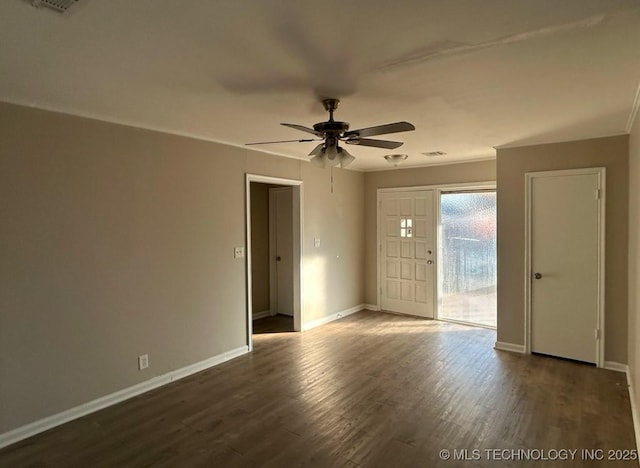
column 372, row 307
column 634, row 410
column 438, row 163
column 263, row 314
column 332, row 317
column 524, row 144
column 52, row 421
column 616, row 366
column 139, row 125
column 478, row 185
column 634, row 110
column 512, row 347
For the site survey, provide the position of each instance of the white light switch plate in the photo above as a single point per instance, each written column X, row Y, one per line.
column 238, row 252
column 143, row 361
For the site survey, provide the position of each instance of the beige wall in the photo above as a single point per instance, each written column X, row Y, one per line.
column 481, row 171
column 634, row 258
column 337, row 219
column 259, row 247
column 512, row 164
column 117, row 241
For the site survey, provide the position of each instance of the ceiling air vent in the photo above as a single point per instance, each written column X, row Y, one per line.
column 61, row 6
column 434, row 153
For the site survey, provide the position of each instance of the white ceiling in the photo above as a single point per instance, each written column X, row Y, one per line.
column 471, row 75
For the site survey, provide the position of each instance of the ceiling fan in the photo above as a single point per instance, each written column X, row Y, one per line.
column 332, row 132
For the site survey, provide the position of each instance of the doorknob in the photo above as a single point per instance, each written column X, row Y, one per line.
column 429, row 262
column 278, row 258
column 537, row 275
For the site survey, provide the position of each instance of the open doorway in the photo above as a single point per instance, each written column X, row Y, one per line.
column 468, row 257
column 273, row 255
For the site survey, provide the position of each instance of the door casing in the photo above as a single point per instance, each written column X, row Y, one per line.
column 298, row 211
column 529, row 177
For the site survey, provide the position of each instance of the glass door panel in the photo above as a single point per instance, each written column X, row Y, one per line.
column 467, row 273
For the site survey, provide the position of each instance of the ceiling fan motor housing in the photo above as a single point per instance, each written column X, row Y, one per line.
column 331, row 128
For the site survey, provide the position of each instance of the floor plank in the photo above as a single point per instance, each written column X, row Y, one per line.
column 371, row 389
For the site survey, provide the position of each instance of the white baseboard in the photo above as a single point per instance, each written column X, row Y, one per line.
column 615, row 366
column 514, row 348
column 373, row 307
column 263, row 314
column 49, row 422
column 634, row 410
column 332, row 317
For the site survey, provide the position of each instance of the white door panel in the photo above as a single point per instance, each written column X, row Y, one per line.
column 565, row 243
column 281, row 217
column 407, row 247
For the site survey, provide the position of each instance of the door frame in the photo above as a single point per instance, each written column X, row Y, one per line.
column 600, row 306
column 436, row 236
column 298, row 216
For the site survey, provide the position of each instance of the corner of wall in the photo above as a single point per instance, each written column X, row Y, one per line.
column 634, row 264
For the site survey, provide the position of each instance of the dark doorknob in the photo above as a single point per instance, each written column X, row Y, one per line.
column 278, row 258
column 537, row 275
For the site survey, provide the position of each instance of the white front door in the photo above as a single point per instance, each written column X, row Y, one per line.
column 407, row 252
column 281, row 249
column 565, row 243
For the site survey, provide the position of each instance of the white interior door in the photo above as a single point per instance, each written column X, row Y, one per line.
column 565, row 232
column 407, row 252
column 281, row 249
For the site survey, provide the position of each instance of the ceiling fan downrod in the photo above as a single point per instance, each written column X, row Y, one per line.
column 330, row 105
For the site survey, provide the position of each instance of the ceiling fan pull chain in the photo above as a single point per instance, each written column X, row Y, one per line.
column 331, row 179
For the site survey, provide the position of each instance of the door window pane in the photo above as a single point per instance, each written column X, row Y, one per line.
column 406, row 227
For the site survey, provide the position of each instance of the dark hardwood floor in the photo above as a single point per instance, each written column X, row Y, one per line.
column 276, row 324
column 371, row 389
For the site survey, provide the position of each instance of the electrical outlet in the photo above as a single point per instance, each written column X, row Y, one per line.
column 316, row 242
column 238, row 252
column 143, row 361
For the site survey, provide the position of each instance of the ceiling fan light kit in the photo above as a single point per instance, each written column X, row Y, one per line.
column 332, row 132
column 395, row 159
column 333, row 156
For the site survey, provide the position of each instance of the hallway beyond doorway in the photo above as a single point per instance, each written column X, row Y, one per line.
column 275, row 324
